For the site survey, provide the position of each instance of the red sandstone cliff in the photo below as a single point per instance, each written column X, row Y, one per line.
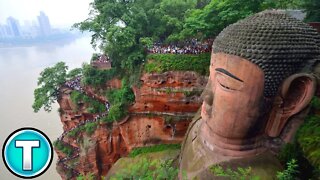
column 164, row 105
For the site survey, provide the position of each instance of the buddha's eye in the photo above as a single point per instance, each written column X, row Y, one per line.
column 227, row 83
column 225, row 86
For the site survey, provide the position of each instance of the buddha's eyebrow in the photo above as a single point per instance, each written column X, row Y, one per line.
column 228, row 74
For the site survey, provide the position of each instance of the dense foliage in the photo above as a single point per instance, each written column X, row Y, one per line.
column 305, row 148
column 88, row 128
column 155, row 148
column 124, row 29
column 290, row 172
column 309, row 139
column 146, row 169
column 93, row 106
column 49, row 82
column 308, row 135
column 89, row 176
column 312, row 9
column 63, row 148
column 119, row 99
column 237, row 174
column 210, row 20
column 178, row 62
column 96, row 78
column 74, row 73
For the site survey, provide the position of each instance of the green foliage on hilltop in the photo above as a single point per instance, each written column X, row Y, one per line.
column 155, row 148
column 210, row 20
column 67, row 150
column 178, row 62
column 148, row 169
column 93, row 106
column 124, row 28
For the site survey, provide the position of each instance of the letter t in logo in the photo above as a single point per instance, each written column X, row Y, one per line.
column 27, row 152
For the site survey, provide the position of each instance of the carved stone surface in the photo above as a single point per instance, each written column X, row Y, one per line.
column 255, row 93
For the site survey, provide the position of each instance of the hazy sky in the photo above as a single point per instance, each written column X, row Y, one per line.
column 62, row 13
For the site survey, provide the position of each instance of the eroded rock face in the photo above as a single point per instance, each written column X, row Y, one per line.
column 163, row 108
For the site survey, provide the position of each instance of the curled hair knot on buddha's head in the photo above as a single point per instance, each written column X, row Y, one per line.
column 278, row 43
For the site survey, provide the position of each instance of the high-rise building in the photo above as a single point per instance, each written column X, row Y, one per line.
column 14, row 26
column 2, row 32
column 44, row 23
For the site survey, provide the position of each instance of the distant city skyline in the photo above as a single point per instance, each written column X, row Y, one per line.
column 14, row 29
column 63, row 14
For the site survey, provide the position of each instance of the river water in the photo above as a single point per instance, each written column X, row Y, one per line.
column 19, row 70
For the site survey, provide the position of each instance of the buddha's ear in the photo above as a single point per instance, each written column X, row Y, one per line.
column 295, row 94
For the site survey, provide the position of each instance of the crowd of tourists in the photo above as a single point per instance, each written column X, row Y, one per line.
column 192, row 46
column 102, row 59
column 75, row 84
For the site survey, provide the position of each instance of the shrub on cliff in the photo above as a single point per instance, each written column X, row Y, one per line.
column 233, row 174
column 155, row 148
column 290, row 172
column 67, row 150
column 93, row 106
column 96, row 78
column 120, row 99
column 178, row 62
column 148, row 169
column 116, row 112
column 90, row 128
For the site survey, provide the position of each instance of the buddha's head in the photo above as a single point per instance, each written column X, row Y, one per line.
column 256, row 82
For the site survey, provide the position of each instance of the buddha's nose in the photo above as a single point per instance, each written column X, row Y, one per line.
column 208, row 98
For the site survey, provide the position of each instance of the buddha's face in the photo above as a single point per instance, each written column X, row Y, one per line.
column 233, row 109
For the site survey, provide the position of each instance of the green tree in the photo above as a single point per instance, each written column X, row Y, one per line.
column 282, row 4
column 124, row 28
column 49, row 82
column 210, row 20
column 74, row 73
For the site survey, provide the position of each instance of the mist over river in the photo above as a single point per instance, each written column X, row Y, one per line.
column 19, row 70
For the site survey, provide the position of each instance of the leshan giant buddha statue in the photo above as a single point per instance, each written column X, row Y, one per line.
column 256, row 88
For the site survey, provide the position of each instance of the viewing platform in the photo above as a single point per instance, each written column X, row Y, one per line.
column 102, row 63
